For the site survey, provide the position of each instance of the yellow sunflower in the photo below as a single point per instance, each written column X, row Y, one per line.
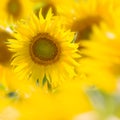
column 87, row 13
column 12, row 10
column 44, row 50
column 45, row 5
column 106, row 37
column 5, row 54
column 102, row 62
column 57, row 6
column 71, row 100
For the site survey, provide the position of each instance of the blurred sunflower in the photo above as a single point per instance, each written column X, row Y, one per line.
column 42, row 52
column 107, row 38
column 5, row 55
column 59, row 106
column 85, row 14
column 12, row 10
column 106, row 59
column 45, row 5
column 57, row 6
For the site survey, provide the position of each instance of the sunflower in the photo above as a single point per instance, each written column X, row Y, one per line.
column 42, row 52
column 57, row 6
column 45, row 5
column 104, row 59
column 56, row 106
column 87, row 13
column 5, row 54
column 45, row 106
column 106, row 37
column 12, row 10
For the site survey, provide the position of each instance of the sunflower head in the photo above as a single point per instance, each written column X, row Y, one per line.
column 14, row 8
column 85, row 14
column 103, row 56
column 44, row 51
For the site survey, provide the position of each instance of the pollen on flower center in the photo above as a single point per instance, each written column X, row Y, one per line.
column 44, row 50
column 14, row 8
column 84, row 27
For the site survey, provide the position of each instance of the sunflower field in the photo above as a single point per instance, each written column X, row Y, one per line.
column 60, row 60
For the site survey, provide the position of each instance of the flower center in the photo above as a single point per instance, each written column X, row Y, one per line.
column 14, row 8
column 84, row 27
column 44, row 50
column 5, row 54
